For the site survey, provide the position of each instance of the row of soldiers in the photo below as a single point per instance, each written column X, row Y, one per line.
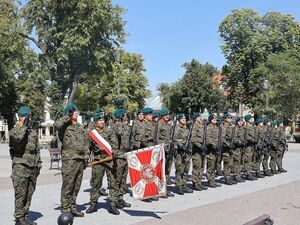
column 239, row 146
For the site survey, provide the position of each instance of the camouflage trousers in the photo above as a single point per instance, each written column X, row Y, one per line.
column 198, row 167
column 24, row 182
column 227, row 164
column 236, row 163
column 247, row 159
column 72, row 172
column 211, row 163
column 97, row 178
column 279, row 157
column 168, row 165
column 121, row 170
column 182, row 166
column 265, row 163
column 219, row 164
column 258, row 158
column 273, row 158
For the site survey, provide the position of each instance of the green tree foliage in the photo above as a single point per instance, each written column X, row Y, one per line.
column 195, row 90
column 249, row 39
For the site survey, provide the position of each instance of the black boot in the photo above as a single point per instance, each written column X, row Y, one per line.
column 212, row 184
column 76, row 213
column 187, row 190
column 29, row 221
column 119, row 205
column 250, row 177
column 170, row 194
column 281, row 170
column 268, row 173
column 92, row 208
column 21, row 221
column 180, row 191
column 102, row 192
column 125, row 204
column 259, row 175
column 203, row 187
column 113, row 209
column 197, row 187
column 228, row 182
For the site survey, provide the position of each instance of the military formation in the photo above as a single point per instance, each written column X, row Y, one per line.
column 234, row 148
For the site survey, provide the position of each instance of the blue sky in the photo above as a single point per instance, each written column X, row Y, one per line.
column 169, row 33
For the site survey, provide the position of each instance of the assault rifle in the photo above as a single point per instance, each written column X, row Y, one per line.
column 130, row 134
column 188, row 145
column 219, row 145
column 172, row 133
column 245, row 142
column 232, row 145
column 155, row 134
column 204, row 142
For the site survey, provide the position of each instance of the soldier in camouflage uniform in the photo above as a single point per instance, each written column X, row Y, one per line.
column 120, row 145
column 198, row 157
column 148, row 136
column 273, row 147
column 238, row 151
column 259, row 151
column 228, row 147
column 163, row 137
column 182, row 158
column 26, row 164
column 219, row 171
column 75, row 155
column 282, row 146
column 98, row 170
column 249, row 148
column 212, row 145
column 137, row 133
column 267, row 147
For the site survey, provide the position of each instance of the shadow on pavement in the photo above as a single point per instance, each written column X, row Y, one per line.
column 143, row 213
column 35, row 215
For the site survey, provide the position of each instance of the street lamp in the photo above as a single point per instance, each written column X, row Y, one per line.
column 266, row 87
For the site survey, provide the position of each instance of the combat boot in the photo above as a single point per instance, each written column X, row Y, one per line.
column 217, row 184
column 187, row 190
column 250, row 177
column 212, row 184
column 21, row 221
column 180, row 191
column 281, row 170
column 170, row 181
column 102, row 192
column 125, row 204
column 92, row 208
column 170, row 194
column 274, row 172
column 113, row 209
column 203, row 187
column 77, row 213
column 197, row 187
column 228, row 181
column 29, row 221
column 259, row 175
column 268, row 173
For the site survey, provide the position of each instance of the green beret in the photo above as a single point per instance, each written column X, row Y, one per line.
column 220, row 120
column 211, row 117
column 196, row 114
column 70, row 108
column 99, row 116
column 180, row 116
column 258, row 121
column 139, row 112
column 226, row 114
column 155, row 114
column 239, row 118
column 266, row 120
column 99, row 110
column 147, row 110
column 119, row 113
column 274, row 123
column 24, row 111
column 164, row 112
column 279, row 121
column 248, row 117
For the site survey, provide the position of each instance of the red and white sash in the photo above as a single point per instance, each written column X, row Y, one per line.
column 101, row 142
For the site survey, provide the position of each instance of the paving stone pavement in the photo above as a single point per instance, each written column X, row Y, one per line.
column 213, row 203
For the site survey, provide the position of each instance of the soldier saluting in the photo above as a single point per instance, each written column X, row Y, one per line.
column 75, row 153
column 26, row 164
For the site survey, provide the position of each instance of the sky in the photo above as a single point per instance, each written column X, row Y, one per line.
column 169, row 33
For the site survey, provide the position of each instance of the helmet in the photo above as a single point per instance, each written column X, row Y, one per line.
column 65, row 219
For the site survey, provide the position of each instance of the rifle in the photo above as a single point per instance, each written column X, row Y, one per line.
column 204, row 141
column 130, row 134
column 188, row 145
column 172, row 133
column 219, row 145
column 245, row 142
column 155, row 134
column 232, row 145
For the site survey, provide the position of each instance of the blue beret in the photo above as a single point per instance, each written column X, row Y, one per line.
column 147, row 110
column 164, row 112
column 119, row 113
column 24, row 111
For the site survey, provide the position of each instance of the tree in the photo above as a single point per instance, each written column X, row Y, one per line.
column 248, row 41
column 196, row 90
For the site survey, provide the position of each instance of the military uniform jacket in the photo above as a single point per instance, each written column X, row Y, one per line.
column 281, row 138
column 163, row 132
column 249, row 135
column 197, row 136
column 180, row 137
column 25, row 143
column 74, row 139
column 260, row 131
column 148, row 139
column 275, row 139
column 120, row 139
column 137, row 133
column 239, row 137
column 227, row 137
column 212, row 137
column 97, row 152
column 268, row 136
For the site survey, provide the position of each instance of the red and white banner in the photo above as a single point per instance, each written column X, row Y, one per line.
column 146, row 168
column 103, row 144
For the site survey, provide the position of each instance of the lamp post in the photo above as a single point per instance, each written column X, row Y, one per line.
column 266, row 87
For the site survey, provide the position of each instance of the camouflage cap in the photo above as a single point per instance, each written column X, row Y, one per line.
column 24, row 111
